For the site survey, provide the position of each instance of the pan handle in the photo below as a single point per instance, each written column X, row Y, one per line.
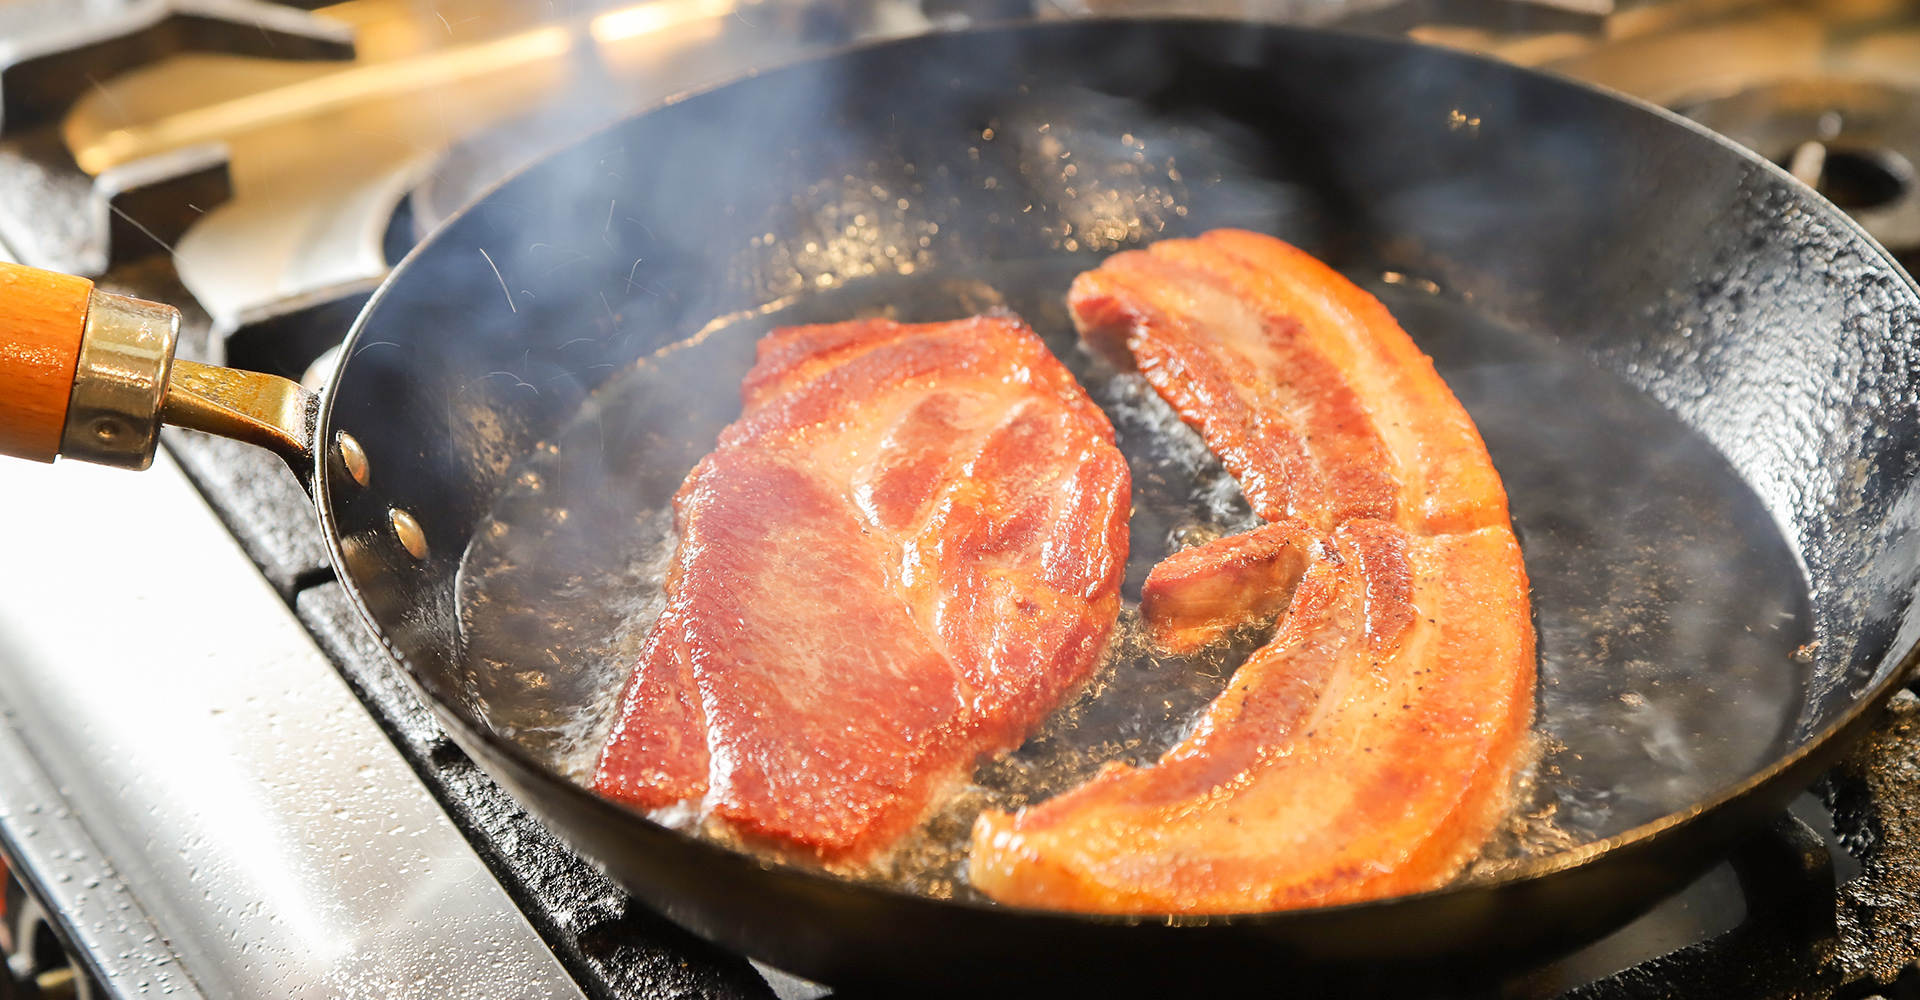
column 90, row 375
column 267, row 410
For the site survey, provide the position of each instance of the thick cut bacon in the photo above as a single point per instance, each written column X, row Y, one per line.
column 1365, row 752
column 904, row 553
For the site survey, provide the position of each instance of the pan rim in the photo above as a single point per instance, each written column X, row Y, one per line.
column 1870, row 700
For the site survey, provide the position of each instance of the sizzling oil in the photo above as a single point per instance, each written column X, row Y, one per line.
column 1667, row 605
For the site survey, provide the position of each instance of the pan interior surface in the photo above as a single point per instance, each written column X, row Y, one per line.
column 1668, row 607
column 1697, row 380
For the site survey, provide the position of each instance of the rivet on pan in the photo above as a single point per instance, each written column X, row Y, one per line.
column 408, row 531
column 353, row 458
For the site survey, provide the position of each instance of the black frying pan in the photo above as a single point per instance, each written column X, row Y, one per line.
column 1697, row 378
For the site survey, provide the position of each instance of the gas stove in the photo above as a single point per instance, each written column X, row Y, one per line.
column 213, row 782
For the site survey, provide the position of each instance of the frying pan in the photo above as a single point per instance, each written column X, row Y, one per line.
column 1698, row 379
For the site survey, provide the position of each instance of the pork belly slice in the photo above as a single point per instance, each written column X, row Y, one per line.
column 1301, row 382
column 902, row 556
column 1366, row 752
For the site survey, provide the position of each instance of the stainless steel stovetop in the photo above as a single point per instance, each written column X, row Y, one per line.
column 213, row 783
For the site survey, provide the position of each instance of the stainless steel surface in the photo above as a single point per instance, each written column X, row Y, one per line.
column 104, row 922
column 323, row 154
column 51, row 51
column 126, row 353
column 222, row 767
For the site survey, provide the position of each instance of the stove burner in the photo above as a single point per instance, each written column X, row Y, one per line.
column 1855, row 142
column 1854, row 179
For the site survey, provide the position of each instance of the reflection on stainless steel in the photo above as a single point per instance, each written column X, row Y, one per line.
column 54, row 51
column 109, row 927
column 1284, row 11
column 653, row 16
column 97, row 143
column 249, row 804
column 126, row 354
column 207, row 98
column 1691, row 50
column 109, row 36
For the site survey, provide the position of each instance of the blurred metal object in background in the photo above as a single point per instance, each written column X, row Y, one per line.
column 1829, row 89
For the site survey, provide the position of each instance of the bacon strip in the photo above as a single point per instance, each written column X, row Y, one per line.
column 1368, row 749
column 902, row 556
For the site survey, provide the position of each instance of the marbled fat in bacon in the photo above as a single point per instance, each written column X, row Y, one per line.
column 902, row 556
column 1305, row 387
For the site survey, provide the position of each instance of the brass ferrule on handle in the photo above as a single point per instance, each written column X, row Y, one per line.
column 128, row 383
column 120, row 381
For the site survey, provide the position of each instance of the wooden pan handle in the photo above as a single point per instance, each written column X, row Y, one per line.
column 43, row 316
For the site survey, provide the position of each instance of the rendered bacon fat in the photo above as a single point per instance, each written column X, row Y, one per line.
column 903, row 555
column 1368, row 749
